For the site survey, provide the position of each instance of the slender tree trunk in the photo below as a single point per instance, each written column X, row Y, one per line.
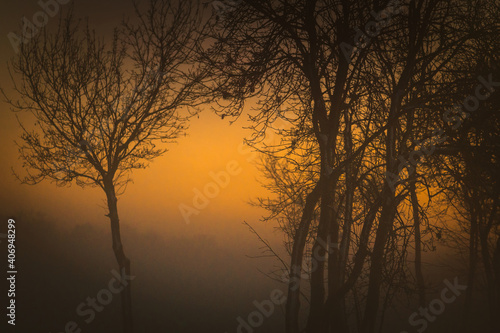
column 334, row 310
column 488, row 261
column 337, row 320
column 496, row 269
column 318, row 255
column 377, row 266
column 293, row 300
column 473, row 235
column 335, row 296
column 123, row 261
column 418, row 241
column 490, row 278
column 349, row 198
column 385, row 223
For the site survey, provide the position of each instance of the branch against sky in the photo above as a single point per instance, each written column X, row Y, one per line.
column 103, row 107
column 355, row 115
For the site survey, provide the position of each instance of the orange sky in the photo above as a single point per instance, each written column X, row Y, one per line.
column 152, row 200
column 150, row 205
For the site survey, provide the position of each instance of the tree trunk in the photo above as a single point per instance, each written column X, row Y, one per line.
column 337, row 319
column 334, row 317
column 318, row 255
column 418, row 241
column 377, row 265
column 496, row 269
column 473, row 240
column 385, row 223
column 490, row 278
column 293, row 300
column 489, row 268
column 335, row 296
column 123, row 261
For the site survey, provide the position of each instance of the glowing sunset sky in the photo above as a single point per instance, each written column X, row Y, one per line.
column 149, row 209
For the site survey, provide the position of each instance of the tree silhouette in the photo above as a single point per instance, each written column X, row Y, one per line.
column 102, row 108
column 356, row 104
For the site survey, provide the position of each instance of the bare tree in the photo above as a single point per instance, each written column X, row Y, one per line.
column 102, row 108
column 358, row 109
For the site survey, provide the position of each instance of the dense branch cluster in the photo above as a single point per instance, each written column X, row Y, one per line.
column 378, row 148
